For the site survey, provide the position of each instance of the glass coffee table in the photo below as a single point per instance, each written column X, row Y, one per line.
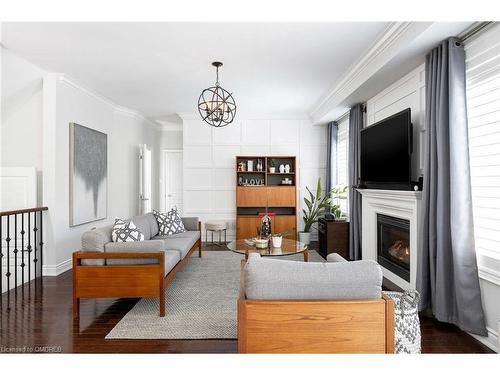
column 288, row 247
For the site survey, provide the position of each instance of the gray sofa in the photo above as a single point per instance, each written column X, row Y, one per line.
column 175, row 246
column 106, row 269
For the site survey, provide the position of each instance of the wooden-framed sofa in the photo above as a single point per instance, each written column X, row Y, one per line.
column 275, row 317
column 106, row 269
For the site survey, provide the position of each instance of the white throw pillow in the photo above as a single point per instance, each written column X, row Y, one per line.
column 126, row 232
column 169, row 223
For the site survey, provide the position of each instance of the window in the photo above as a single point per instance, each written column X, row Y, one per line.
column 342, row 160
column 483, row 108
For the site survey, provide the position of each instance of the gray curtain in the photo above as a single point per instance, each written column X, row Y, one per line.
column 447, row 270
column 355, row 126
column 331, row 155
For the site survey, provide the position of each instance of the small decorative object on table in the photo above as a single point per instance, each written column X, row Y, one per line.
column 278, row 238
column 407, row 325
column 265, row 226
column 261, row 243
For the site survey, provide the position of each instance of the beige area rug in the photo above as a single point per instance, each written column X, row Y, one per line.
column 201, row 302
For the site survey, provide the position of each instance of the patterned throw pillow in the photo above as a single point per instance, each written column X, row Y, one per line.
column 125, row 232
column 169, row 223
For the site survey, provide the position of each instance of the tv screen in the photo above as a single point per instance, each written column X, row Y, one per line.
column 386, row 151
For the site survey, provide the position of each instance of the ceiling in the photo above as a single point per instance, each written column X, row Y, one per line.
column 161, row 68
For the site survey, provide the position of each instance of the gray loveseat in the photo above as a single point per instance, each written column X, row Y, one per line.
column 103, row 268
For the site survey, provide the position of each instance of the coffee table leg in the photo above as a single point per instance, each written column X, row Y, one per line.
column 246, row 255
column 306, row 255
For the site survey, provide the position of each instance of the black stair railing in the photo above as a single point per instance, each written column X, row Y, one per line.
column 21, row 247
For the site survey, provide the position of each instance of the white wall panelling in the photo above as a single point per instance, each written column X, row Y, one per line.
column 209, row 175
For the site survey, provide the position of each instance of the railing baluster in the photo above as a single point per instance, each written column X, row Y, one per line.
column 8, row 255
column 34, row 242
column 15, row 252
column 41, row 246
column 29, row 246
column 22, row 249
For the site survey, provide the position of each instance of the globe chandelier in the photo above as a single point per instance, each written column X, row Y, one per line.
column 215, row 104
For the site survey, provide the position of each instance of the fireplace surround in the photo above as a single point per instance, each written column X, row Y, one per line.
column 397, row 204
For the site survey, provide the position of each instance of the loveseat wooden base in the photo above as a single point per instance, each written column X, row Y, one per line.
column 123, row 281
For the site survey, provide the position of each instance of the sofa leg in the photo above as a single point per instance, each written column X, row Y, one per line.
column 162, row 298
column 199, row 250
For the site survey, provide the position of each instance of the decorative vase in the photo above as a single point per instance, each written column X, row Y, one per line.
column 287, row 168
column 305, row 237
column 259, row 165
column 250, row 166
column 282, row 168
column 272, row 169
column 277, row 241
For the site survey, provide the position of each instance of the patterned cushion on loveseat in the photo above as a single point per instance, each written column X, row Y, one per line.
column 169, row 223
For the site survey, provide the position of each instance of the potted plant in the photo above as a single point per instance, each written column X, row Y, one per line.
column 278, row 238
column 272, row 166
column 316, row 205
column 337, row 193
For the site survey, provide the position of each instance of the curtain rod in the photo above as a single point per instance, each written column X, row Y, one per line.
column 470, row 32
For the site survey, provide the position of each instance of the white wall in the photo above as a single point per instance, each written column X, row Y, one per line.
column 209, row 186
column 66, row 102
column 171, row 140
column 409, row 91
column 21, row 130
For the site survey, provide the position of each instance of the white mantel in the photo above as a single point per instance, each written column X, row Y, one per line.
column 397, row 203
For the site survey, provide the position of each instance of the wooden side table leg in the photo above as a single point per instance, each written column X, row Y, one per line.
column 306, row 255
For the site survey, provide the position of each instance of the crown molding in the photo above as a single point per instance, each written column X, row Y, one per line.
column 169, row 126
column 116, row 107
column 391, row 41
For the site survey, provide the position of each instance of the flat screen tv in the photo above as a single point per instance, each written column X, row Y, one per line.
column 386, row 148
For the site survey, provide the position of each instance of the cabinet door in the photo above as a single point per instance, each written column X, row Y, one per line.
column 286, row 223
column 281, row 196
column 251, row 196
column 246, row 227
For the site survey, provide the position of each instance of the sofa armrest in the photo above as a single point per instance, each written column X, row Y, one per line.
column 78, row 256
column 191, row 223
column 335, row 258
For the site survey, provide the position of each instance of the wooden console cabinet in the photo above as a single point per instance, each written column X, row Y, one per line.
column 259, row 191
column 333, row 237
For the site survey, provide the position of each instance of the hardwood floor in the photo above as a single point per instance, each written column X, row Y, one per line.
column 39, row 319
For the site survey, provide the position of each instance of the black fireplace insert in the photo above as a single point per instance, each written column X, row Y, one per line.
column 393, row 245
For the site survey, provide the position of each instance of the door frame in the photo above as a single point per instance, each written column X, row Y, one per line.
column 164, row 181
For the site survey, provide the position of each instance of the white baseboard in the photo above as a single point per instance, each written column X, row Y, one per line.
column 491, row 341
column 54, row 270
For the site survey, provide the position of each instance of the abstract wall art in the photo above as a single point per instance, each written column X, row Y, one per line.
column 88, row 169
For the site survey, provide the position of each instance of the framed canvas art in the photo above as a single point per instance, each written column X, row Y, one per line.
column 88, row 170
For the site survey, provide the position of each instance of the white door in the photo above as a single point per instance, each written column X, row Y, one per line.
column 145, row 180
column 173, row 180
